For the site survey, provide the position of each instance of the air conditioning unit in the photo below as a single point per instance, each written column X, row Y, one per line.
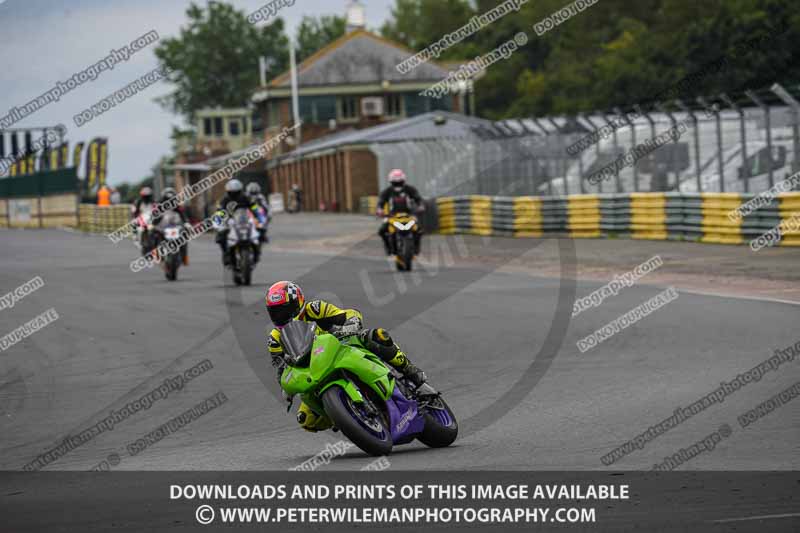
column 372, row 106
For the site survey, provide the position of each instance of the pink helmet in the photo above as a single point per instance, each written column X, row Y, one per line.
column 397, row 177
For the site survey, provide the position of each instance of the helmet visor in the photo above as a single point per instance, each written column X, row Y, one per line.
column 282, row 314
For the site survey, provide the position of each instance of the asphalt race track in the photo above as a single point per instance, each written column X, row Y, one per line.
column 501, row 345
column 499, row 342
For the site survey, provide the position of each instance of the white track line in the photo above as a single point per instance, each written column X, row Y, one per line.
column 738, row 296
column 762, row 517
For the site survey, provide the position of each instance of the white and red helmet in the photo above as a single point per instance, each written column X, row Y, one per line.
column 397, row 177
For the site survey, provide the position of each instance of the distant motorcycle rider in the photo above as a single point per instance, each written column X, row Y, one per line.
column 143, row 204
column 285, row 302
column 257, row 199
column 233, row 199
column 399, row 197
column 145, row 200
column 167, row 195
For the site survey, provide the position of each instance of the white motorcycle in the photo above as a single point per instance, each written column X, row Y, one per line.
column 243, row 245
column 168, row 240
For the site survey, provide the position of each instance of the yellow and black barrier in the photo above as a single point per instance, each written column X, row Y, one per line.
column 103, row 219
column 368, row 205
column 700, row 217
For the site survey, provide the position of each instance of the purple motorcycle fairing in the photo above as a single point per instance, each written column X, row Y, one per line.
column 404, row 417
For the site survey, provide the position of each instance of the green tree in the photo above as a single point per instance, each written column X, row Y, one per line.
column 619, row 52
column 124, row 190
column 214, row 60
column 314, row 33
column 419, row 23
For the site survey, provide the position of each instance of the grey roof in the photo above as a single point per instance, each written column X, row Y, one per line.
column 221, row 160
column 419, row 127
column 360, row 59
column 191, row 167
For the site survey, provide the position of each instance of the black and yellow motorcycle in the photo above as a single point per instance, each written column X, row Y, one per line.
column 404, row 239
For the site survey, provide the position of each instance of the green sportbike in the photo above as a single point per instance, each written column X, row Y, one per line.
column 372, row 404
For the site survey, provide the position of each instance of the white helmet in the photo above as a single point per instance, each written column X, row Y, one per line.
column 253, row 188
column 233, row 185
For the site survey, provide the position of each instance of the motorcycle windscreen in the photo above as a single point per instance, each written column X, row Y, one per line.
column 243, row 224
column 297, row 339
column 170, row 218
column 241, row 217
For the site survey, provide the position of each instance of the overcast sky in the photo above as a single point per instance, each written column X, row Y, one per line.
column 45, row 41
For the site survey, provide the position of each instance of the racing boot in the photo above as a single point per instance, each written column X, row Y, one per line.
column 311, row 421
column 379, row 342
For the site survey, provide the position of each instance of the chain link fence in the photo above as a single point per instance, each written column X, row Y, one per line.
column 722, row 146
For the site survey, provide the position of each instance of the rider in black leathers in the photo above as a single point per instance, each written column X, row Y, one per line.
column 399, row 197
column 233, row 199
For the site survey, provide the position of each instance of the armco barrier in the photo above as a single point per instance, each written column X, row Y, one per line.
column 700, row 217
column 105, row 219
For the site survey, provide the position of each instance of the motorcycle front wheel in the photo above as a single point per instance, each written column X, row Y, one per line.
column 441, row 427
column 236, row 267
column 365, row 430
column 171, row 267
column 405, row 252
column 246, row 266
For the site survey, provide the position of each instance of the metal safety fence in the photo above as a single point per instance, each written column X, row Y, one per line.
column 743, row 143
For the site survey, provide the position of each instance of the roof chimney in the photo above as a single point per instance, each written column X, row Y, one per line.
column 356, row 20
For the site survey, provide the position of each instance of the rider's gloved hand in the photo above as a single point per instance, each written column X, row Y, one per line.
column 352, row 326
column 341, row 332
column 218, row 218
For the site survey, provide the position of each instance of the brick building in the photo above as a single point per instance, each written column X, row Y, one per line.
column 351, row 85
